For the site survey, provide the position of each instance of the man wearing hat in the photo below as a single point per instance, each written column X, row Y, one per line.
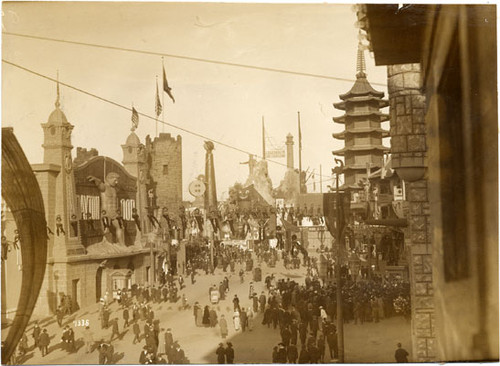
column 143, row 356
column 281, row 356
column 229, row 353
column 169, row 340
column 221, row 354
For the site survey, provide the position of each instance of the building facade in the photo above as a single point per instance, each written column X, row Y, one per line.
column 100, row 238
column 442, row 80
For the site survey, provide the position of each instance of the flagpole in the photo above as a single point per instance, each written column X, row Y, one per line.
column 300, row 154
column 162, row 102
column 263, row 140
column 156, row 113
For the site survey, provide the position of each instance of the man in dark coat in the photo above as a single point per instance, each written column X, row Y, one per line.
column 59, row 315
column 143, row 355
column 304, row 355
column 126, row 316
column 292, row 353
column 169, row 340
column 236, row 303
column 102, row 350
column 221, row 354
column 313, row 353
column 285, row 336
column 331, row 339
column 150, row 343
column 43, row 342
column 36, row 334
column 229, row 353
column 243, row 319
column 114, row 329
column 178, row 354
column 137, row 332
column 105, row 317
column 71, row 340
column 282, row 354
column 401, row 355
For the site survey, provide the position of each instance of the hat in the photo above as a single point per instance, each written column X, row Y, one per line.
column 221, row 344
column 229, row 344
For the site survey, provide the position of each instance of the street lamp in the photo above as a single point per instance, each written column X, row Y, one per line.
column 340, row 242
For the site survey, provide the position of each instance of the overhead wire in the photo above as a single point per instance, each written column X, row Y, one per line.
column 116, row 104
column 190, row 58
column 116, row 48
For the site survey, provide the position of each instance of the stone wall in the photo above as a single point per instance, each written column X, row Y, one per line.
column 166, row 170
column 408, row 148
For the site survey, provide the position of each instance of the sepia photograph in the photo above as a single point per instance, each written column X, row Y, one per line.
column 249, row 183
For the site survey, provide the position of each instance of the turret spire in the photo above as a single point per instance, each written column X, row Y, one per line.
column 361, row 65
column 57, row 103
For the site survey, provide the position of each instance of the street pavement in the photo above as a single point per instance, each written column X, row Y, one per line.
column 370, row 342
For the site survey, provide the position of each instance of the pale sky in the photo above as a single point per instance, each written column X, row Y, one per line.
column 219, row 101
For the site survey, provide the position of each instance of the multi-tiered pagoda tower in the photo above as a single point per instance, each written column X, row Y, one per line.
column 363, row 132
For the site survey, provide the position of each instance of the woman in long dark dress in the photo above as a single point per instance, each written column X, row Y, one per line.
column 206, row 317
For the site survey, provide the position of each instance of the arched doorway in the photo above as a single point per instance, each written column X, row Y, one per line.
column 98, row 284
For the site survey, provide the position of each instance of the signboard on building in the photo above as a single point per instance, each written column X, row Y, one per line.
column 275, row 153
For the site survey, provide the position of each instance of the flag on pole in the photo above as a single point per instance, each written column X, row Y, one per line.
column 158, row 107
column 166, row 88
column 135, row 119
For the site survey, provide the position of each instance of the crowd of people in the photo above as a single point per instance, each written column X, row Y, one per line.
column 135, row 307
column 307, row 313
column 303, row 314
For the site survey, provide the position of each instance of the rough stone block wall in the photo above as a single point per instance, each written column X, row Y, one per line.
column 409, row 149
column 418, row 241
column 407, row 115
column 167, row 151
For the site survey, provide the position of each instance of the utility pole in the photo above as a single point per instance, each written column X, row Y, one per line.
column 340, row 242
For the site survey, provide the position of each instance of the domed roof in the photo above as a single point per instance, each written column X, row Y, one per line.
column 58, row 117
column 133, row 140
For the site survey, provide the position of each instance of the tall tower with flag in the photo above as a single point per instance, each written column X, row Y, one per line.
column 363, row 133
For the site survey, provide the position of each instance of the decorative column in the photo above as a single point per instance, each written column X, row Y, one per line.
column 408, row 148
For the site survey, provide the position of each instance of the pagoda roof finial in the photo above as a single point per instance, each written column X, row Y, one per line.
column 58, row 97
column 361, row 64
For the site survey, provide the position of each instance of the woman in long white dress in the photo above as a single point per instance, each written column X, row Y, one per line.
column 236, row 320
